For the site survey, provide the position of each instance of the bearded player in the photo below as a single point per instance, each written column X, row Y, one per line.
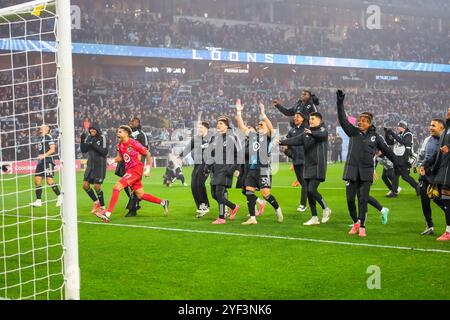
column 129, row 151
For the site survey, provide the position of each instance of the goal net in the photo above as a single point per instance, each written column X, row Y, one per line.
column 38, row 244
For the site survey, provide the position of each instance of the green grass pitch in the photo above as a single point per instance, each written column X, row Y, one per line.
column 181, row 257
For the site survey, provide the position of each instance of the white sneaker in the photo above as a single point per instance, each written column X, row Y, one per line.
column 301, row 208
column 326, row 215
column 279, row 214
column 202, row 211
column 59, row 201
column 312, row 221
column 37, row 203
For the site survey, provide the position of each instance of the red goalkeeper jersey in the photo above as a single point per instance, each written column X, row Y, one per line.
column 130, row 152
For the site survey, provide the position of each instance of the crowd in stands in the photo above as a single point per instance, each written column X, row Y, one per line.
column 163, row 110
column 405, row 40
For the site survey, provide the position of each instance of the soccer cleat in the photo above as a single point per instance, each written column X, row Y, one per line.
column 399, row 189
column 301, row 208
column 295, row 184
column 279, row 214
column 219, row 221
column 95, row 207
column 166, row 207
column 391, row 194
column 428, row 232
column 444, row 237
column 326, row 215
column 311, row 222
column 131, row 213
column 102, row 214
column 233, row 212
column 37, row 203
column 250, row 221
column 355, row 228
column 202, row 210
column 362, row 232
column 59, row 201
column 261, row 209
column 384, row 215
column 185, row 184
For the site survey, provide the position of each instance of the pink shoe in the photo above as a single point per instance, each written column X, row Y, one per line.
column 444, row 237
column 102, row 215
column 355, row 228
column 219, row 221
column 261, row 209
column 95, row 207
column 362, row 232
column 233, row 212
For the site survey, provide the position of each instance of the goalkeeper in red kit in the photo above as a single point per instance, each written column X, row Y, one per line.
column 129, row 151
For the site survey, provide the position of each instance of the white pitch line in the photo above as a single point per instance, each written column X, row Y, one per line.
column 267, row 237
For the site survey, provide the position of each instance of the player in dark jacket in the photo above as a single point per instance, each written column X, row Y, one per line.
column 402, row 143
column 96, row 146
column 221, row 162
column 427, row 155
column 306, row 105
column 297, row 154
column 314, row 140
column 441, row 174
column 359, row 167
column 196, row 147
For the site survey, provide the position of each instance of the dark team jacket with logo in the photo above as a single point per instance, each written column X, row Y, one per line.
column 441, row 167
column 297, row 151
column 197, row 147
column 220, row 161
column 96, row 147
column 402, row 145
column 315, row 146
column 141, row 137
column 362, row 149
column 304, row 108
column 44, row 145
column 259, row 151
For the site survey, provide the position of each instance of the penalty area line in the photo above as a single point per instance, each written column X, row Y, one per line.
column 265, row 236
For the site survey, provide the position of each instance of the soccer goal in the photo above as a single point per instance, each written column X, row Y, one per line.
column 38, row 239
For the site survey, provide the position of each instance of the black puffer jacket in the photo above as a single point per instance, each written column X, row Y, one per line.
column 96, row 147
column 315, row 145
column 361, row 150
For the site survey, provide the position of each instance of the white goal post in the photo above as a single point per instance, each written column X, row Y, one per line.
column 10, row 19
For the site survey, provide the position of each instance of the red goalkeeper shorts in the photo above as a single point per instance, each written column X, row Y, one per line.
column 132, row 178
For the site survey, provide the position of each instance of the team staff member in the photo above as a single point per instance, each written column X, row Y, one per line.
column 197, row 146
column 441, row 174
column 96, row 146
column 359, row 167
column 427, row 155
column 45, row 166
column 402, row 142
column 315, row 141
column 297, row 154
